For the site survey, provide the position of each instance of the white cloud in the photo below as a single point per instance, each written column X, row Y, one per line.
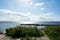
column 25, row 17
column 25, row 3
column 18, row 16
column 28, row 3
column 31, row 3
column 42, row 9
column 39, row 4
column 47, row 15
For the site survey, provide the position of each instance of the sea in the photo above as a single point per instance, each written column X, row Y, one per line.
column 8, row 24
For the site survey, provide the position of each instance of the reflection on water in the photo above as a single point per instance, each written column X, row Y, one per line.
column 41, row 27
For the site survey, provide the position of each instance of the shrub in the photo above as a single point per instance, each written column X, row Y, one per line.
column 1, row 32
column 18, row 32
column 53, row 32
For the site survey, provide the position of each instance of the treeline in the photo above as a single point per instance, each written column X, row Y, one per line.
column 53, row 32
column 18, row 32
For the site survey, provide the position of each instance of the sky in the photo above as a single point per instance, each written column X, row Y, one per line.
column 29, row 11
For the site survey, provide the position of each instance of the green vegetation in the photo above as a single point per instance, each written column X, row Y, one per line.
column 1, row 32
column 26, row 38
column 25, row 33
column 18, row 32
column 53, row 32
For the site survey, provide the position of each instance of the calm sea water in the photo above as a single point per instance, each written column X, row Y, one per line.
column 50, row 22
column 8, row 24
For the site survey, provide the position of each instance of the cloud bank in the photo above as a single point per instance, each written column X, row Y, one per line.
column 21, row 17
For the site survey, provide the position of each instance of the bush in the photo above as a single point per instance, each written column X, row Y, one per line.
column 18, row 32
column 1, row 32
column 53, row 32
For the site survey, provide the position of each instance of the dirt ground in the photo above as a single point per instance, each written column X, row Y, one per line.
column 3, row 37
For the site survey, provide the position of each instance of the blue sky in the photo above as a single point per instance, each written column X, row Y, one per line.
column 29, row 11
